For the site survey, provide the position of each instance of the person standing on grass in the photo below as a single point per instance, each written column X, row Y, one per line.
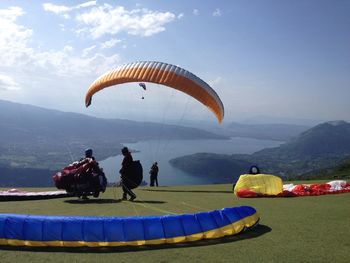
column 125, row 172
column 154, row 174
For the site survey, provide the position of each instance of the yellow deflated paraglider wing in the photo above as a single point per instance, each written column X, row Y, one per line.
column 160, row 73
column 263, row 184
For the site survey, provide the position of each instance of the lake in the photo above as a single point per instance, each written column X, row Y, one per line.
column 162, row 151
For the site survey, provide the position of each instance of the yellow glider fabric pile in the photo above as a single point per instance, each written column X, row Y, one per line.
column 258, row 184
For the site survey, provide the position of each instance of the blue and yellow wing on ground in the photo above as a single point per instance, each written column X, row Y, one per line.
column 65, row 231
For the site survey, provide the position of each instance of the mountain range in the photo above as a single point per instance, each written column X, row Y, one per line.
column 321, row 147
column 261, row 131
column 34, row 137
column 35, row 142
column 273, row 131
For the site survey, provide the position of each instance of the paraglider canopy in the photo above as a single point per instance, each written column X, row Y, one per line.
column 259, row 184
column 161, row 73
column 142, row 85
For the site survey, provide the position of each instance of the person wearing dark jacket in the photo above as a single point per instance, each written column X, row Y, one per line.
column 88, row 155
column 154, row 174
column 124, row 173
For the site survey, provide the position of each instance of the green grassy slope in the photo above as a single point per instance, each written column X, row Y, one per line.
column 340, row 172
column 305, row 229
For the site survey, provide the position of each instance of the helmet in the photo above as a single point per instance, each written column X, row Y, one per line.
column 88, row 153
column 254, row 170
column 125, row 150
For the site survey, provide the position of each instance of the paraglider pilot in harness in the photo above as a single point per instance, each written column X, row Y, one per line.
column 82, row 178
column 88, row 154
column 125, row 171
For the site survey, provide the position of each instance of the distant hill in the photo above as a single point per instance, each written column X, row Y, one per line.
column 330, row 138
column 339, row 172
column 263, row 119
column 320, row 147
column 265, row 131
column 279, row 132
column 46, row 140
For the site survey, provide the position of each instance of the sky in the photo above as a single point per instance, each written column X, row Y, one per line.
column 275, row 58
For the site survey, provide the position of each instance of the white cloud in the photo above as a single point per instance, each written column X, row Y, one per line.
column 66, row 16
column 14, row 38
column 57, row 9
column 86, row 51
column 196, row 12
column 16, row 53
column 180, row 16
column 217, row 12
column 216, row 81
column 108, row 20
column 110, row 43
column 68, row 48
column 11, row 13
column 62, row 26
column 61, row 9
column 8, row 83
column 62, row 63
column 86, row 4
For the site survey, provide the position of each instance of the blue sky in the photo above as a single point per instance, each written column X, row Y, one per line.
column 275, row 58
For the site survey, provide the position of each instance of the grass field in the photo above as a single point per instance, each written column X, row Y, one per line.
column 304, row 229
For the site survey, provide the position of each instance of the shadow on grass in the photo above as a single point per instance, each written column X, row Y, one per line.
column 255, row 232
column 8, row 198
column 149, row 202
column 110, row 201
column 188, row 191
column 92, row 201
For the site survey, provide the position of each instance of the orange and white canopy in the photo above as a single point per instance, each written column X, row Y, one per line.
column 160, row 73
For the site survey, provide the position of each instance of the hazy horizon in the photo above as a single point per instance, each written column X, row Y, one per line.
column 274, row 59
column 253, row 120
